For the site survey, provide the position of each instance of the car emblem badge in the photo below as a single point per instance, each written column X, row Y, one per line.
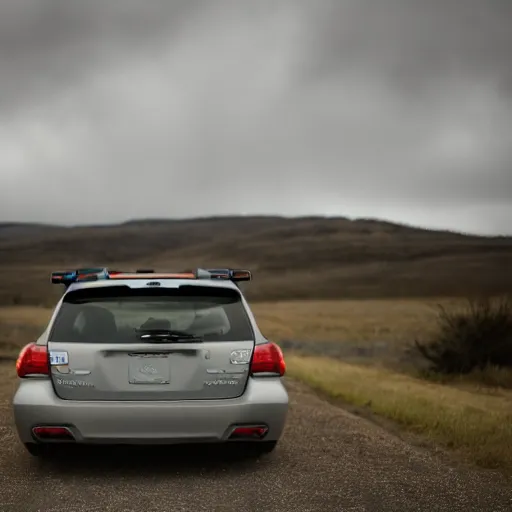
column 242, row 356
column 148, row 370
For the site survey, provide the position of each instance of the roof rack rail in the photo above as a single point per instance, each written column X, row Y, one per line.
column 69, row 277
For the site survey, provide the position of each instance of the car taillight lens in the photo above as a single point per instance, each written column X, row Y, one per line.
column 268, row 358
column 59, row 433
column 253, row 432
column 33, row 360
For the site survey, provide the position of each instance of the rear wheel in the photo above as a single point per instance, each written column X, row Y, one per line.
column 34, row 449
column 260, row 448
column 40, row 450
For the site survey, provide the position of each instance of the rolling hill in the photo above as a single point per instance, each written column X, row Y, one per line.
column 308, row 257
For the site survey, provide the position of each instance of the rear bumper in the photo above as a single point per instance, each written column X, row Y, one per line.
column 265, row 401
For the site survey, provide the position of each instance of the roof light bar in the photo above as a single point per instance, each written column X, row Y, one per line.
column 69, row 277
column 241, row 275
column 82, row 274
column 227, row 273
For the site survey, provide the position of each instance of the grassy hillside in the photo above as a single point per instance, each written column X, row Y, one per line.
column 291, row 258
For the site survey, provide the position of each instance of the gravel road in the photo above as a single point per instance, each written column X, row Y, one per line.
column 328, row 460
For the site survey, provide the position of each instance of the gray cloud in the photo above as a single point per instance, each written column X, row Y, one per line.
column 392, row 108
column 414, row 45
column 49, row 45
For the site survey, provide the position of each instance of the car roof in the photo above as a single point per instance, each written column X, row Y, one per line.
column 143, row 282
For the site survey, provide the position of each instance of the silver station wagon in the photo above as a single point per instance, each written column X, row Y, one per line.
column 151, row 358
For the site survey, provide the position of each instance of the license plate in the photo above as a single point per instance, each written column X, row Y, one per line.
column 149, row 370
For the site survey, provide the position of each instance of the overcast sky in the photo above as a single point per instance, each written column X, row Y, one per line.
column 112, row 110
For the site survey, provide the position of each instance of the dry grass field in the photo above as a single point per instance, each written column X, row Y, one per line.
column 394, row 321
column 19, row 326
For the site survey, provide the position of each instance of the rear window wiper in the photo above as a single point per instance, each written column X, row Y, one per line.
column 167, row 335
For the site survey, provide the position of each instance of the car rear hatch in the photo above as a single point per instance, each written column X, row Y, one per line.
column 118, row 342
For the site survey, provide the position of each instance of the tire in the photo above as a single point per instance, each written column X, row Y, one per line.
column 34, row 449
column 258, row 449
column 40, row 450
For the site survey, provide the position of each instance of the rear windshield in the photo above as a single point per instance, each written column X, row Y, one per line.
column 115, row 314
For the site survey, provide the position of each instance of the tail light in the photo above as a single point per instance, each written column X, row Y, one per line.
column 252, row 432
column 53, row 433
column 268, row 358
column 33, row 360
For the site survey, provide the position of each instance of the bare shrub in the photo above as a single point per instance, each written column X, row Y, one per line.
column 473, row 338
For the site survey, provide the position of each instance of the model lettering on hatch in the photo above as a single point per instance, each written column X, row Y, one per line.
column 221, row 382
column 74, row 383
